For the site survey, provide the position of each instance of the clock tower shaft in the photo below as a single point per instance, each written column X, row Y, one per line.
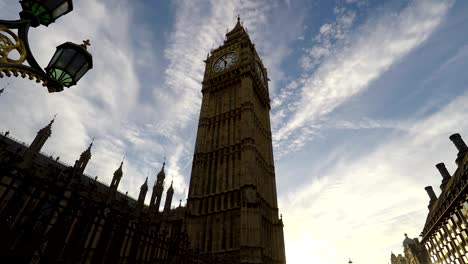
column 232, row 201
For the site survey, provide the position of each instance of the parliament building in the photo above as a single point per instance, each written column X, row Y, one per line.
column 444, row 238
column 51, row 212
column 445, row 233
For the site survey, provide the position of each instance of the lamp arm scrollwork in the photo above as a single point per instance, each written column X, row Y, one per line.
column 10, row 42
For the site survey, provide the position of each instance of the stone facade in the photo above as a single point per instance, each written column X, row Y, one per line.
column 445, row 233
column 397, row 259
column 232, row 201
column 415, row 253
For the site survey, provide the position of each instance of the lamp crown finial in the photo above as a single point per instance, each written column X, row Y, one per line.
column 86, row 43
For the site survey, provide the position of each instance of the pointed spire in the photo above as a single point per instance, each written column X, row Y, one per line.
column 48, row 128
column 117, row 176
column 161, row 174
column 171, row 189
column 82, row 162
column 169, row 194
column 119, row 169
column 119, row 172
column 87, row 152
column 237, row 28
column 141, row 197
column 145, row 185
column 42, row 135
column 53, row 120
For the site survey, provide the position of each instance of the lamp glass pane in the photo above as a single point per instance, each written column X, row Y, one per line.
column 65, row 58
column 76, row 64
column 60, row 10
column 82, row 71
column 39, row 10
column 61, row 76
column 55, row 57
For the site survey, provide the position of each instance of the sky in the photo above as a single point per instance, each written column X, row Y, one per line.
column 365, row 94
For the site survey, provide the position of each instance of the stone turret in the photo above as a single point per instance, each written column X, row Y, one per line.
column 169, row 194
column 42, row 135
column 117, row 177
column 142, row 196
column 82, row 162
column 143, row 191
column 158, row 189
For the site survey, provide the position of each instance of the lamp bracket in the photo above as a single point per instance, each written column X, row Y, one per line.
column 20, row 70
column 9, row 41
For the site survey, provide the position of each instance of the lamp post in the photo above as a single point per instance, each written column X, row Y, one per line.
column 70, row 61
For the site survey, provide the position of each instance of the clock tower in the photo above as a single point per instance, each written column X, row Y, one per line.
column 232, row 201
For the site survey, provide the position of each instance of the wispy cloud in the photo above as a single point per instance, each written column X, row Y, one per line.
column 330, row 35
column 359, row 59
column 375, row 197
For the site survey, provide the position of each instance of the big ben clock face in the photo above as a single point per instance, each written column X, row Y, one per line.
column 225, row 62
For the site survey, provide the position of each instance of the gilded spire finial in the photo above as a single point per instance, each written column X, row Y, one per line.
column 85, row 44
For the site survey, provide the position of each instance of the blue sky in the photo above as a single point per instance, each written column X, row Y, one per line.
column 364, row 97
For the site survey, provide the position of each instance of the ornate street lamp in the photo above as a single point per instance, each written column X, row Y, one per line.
column 70, row 61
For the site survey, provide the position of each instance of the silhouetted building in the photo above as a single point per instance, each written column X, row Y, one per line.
column 445, row 233
column 397, row 259
column 232, row 202
column 51, row 212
